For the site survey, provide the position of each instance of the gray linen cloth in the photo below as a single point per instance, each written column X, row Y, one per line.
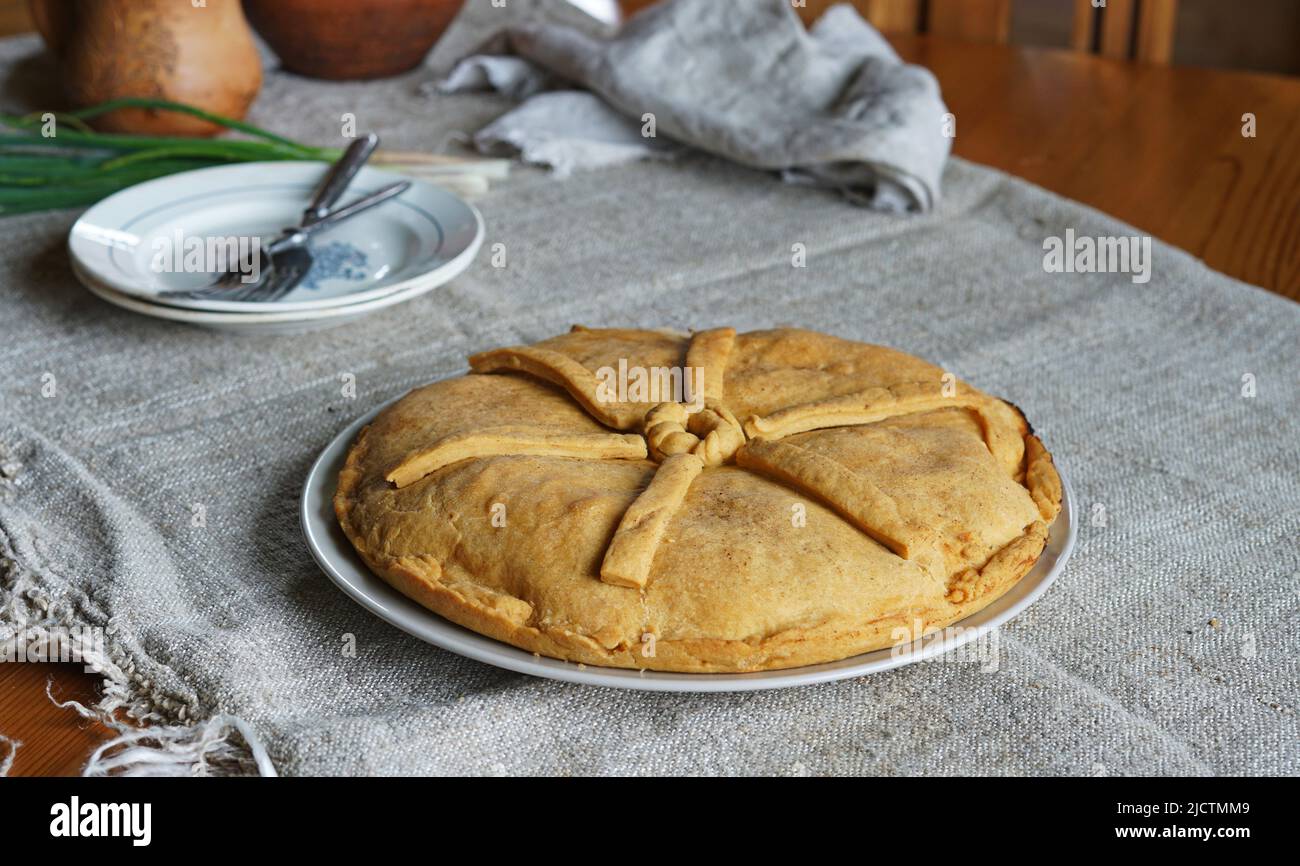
column 833, row 107
column 1169, row 644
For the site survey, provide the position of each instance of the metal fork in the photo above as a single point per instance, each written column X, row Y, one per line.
column 290, row 257
column 331, row 189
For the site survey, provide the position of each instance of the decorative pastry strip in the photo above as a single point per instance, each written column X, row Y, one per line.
column 1043, row 483
column 861, row 407
column 879, row 404
column 632, row 551
column 560, row 369
column 709, row 351
column 859, row 501
column 495, row 443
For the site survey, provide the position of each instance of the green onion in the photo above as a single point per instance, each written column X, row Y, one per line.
column 78, row 166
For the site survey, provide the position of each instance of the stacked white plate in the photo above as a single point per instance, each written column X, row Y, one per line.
column 136, row 245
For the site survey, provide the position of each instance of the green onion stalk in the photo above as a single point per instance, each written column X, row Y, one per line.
column 77, row 166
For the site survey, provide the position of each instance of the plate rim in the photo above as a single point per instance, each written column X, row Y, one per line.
column 443, row 633
column 108, row 282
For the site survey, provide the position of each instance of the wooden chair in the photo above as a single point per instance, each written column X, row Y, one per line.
column 1147, row 35
column 1127, row 29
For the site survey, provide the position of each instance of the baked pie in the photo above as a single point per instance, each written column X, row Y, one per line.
column 705, row 502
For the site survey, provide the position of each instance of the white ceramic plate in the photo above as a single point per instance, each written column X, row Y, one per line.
column 335, row 555
column 282, row 322
column 134, row 242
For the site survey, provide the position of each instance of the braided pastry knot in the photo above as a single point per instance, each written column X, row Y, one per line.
column 665, row 431
column 720, row 434
column 713, row 434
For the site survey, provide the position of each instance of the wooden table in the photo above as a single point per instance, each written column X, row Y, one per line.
column 1159, row 147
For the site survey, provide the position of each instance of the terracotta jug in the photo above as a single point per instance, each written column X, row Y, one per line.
column 200, row 52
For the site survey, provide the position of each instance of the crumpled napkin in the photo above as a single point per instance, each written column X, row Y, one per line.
column 832, row 107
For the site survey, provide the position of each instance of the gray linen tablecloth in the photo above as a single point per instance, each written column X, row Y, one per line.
column 1167, row 646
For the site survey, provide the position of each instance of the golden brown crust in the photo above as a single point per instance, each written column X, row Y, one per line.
column 1041, row 479
column 841, row 536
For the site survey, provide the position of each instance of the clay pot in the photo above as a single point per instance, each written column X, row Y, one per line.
column 348, row 39
column 165, row 49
